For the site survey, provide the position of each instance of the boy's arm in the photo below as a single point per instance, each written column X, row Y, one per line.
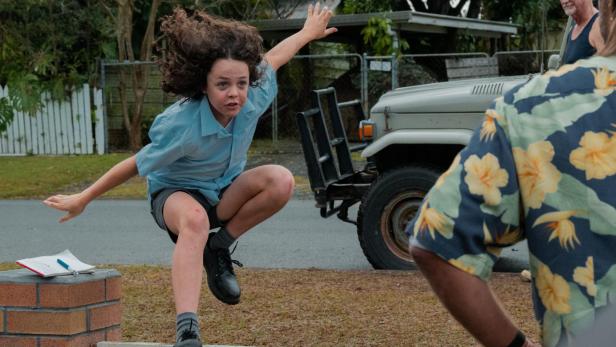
column 75, row 204
column 314, row 28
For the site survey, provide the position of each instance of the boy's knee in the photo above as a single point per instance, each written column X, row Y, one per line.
column 284, row 182
column 196, row 223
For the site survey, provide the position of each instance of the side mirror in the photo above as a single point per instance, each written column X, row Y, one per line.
column 554, row 62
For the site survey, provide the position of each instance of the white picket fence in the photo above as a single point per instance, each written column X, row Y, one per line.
column 60, row 127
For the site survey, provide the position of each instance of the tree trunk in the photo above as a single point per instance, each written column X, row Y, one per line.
column 139, row 73
column 124, row 33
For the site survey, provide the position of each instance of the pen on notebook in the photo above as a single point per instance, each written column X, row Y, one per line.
column 65, row 265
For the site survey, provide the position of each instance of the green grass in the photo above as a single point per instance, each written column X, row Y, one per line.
column 268, row 146
column 40, row 176
column 37, row 177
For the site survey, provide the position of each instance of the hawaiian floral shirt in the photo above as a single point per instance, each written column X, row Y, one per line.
column 541, row 167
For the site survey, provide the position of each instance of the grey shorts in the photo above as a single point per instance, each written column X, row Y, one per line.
column 157, row 204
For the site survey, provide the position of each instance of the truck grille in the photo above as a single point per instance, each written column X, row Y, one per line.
column 488, row 89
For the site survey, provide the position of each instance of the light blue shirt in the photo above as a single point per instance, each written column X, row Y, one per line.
column 191, row 150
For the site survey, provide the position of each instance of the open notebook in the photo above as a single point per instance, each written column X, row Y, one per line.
column 63, row 263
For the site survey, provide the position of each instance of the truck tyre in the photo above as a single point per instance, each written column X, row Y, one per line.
column 392, row 201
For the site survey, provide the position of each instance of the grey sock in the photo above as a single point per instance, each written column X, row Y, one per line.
column 186, row 321
column 222, row 239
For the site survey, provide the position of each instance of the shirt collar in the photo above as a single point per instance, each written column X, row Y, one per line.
column 209, row 124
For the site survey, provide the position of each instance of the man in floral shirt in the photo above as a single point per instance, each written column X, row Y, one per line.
column 541, row 167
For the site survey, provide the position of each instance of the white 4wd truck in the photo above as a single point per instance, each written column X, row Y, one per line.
column 411, row 137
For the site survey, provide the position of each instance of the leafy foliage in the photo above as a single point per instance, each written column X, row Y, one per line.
column 6, row 115
column 377, row 33
column 365, row 6
column 48, row 46
column 377, row 36
column 529, row 14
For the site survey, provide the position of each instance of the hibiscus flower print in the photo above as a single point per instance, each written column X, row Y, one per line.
column 561, row 71
column 553, row 290
column 488, row 127
column 604, row 81
column 536, row 173
column 452, row 167
column 561, row 226
column 462, row 266
column 485, row 177
column 585, row 276
column 596, row 155
column 433, row 221
column 506, row 238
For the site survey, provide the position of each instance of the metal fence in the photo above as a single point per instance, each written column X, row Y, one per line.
column 523, row 62
column 354, row 76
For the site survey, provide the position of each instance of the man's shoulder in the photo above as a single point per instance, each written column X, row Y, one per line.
column 580, row 77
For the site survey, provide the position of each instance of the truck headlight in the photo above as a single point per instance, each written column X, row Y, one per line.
column 366, row 129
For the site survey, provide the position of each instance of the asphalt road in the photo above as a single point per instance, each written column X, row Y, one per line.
column 123, row 232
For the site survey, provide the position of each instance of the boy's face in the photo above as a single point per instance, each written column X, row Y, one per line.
column 227, row 88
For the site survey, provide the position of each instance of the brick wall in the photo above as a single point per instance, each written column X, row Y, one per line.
column 63, row 311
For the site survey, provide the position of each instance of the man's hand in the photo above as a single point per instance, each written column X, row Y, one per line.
column 315, row 26
column 72, row 204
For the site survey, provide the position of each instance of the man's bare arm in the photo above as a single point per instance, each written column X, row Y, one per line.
column 469, row 299
column 595, row 38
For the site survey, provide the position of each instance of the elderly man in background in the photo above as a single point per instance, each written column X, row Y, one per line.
column 584, row 39
column 541, row 167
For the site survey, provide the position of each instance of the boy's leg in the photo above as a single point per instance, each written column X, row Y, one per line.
column 185, row 217
column 254, row 196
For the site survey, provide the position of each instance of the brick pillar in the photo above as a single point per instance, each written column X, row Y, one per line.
column 63, row 311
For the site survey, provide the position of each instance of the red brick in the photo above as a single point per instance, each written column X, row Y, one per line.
column 114, row 334
column 113, row 288
column 17, row 341
column 72, row 295
column 46, row 322
column 105, row 316
column 81, row 340
column 12, row 294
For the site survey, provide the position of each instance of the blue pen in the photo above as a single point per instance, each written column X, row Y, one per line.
column 65, row 265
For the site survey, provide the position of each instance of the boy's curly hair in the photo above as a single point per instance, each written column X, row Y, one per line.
column 195, row 42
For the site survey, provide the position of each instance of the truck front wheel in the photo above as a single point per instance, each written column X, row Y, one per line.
column 392, row 201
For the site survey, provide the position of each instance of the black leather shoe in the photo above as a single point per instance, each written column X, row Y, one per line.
column 189, row 339
column 220, row 275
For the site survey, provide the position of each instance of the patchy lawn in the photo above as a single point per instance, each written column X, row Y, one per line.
column 312, row 308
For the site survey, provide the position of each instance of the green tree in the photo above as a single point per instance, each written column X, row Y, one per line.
column 133, row 48
column 529, row 14
column 377, row 34
column 48, row 46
